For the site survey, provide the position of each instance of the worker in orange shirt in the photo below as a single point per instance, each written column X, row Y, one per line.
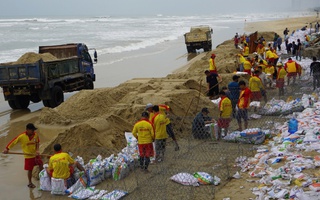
column 144, row 132
column 291, row 68
column 29, row 141
column 280, row 78
column 243, row 105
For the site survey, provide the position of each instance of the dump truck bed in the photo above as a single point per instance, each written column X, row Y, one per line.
column 61, row 51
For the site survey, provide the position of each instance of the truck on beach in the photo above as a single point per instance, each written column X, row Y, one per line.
column 69, row 69
column 198, row 37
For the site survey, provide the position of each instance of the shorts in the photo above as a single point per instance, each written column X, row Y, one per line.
column 224, row 122
column 292, row 74
column 146, row 150
column 29, row 163
column 280, row 83
column 256, row 96
column 242, row 113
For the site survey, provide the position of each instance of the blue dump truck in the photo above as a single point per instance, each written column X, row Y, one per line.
column 46, row 81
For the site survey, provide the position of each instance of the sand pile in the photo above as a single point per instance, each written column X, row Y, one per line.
column 98, row 118
column 32, row 57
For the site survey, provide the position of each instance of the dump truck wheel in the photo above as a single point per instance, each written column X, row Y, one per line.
column 12, row 104
column 57, row 96
column 88, row 84
column 35, row 98
column 22, row 101
column 46, row 103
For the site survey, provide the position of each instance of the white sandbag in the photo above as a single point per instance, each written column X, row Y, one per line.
column 204, row 178
column 58, row 186
column 114, row 195
column 99, row 195
column 45, row 181
column 84, row 193
column 185, row 179
column 94, row 171
column 81, row 183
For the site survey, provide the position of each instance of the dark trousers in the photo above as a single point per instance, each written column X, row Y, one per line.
column 316, row 81
column 144, row 162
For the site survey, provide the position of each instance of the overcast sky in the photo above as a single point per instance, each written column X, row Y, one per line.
column 145, row 7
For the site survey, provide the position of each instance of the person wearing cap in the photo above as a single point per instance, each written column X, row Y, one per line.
column 212, row 80
column 144, row 132
column 29, row 141
column 61, row 165
column 149, row 107
column 243, row 105
column 291, row 68
column 165, row 110
column 280, row 78
column 315, row 72
column 160, row 123
column 234, row 91
column 199, row 130
column 212, row 64
column 225, row 108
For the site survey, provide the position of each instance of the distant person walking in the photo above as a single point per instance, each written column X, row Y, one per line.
column 144, row 132
column 286, row 32
column 299, row 50
column 243, row 105
column 315, row 72
column 29, row 141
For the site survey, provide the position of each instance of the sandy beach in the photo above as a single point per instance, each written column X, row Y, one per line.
column 108, row 111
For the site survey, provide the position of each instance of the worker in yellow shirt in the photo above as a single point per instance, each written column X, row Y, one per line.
column 260, row 50
column 263, row 64
column 247, row 66
column 270, row 56
column 291, row 67
column 143, row 131
column 255, row 85
column 240, row 60
column 212, row 64
column 61, row 165
column 29, row 141
column 225, row 107
column 159, row 122
column 246, row 50
column 269, row 72
column 280, row 78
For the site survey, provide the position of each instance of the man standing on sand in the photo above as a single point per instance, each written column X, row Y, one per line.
column 212, row 64
column 29, row 141
column 315, row 71
column 243, row 105
column 291, row 68
column 159, row 122
column 234, row 90
column 213, row 80
column 61, row 165
column 225, row 108
column 143, row 131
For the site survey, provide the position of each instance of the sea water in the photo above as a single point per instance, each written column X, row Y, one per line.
column 119, row 37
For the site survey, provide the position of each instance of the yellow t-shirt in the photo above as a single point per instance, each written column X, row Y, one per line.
column 255, row 84
column 160, row 126
column 245, row 51
column 225, row 107
column 247, row 65
column 60, row 163
column 28, row 145
column 269, row 54
column 281, row 73
column 270, row 70
column 212, row 65
column 143, row 131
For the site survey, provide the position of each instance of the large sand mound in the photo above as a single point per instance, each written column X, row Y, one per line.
column 98, row 118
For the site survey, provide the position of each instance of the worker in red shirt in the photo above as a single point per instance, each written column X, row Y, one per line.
column 243, row 105
column 29, row 141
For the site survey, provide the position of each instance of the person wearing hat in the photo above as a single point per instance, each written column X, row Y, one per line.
column 212, row 64
column 29, row 141
column 280, row 78
column 149, row 107
column 144, row 132
column 199, row 130
column 234, row 92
